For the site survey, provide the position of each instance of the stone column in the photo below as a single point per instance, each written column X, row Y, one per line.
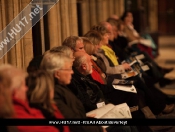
column 3, row 25
column 17, row 50
column 73, row 23
column 100, row 11
column 22, row 52
column 65, row 29
column 153, row 19
column 12, row 58
column 105, row 9
column 92, row 12
column 119, row 7
column 59, row 24
column 116, row 7
column 85, row 18
column 111, row 7
column 122, row 7
column 53, row 27
column 27, row 42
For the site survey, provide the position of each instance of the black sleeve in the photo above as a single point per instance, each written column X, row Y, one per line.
column 73, row 111
column 67, row 103
column 80, row 92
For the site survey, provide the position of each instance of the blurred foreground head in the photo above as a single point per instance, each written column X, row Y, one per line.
column 41, row 89
column 12, row 85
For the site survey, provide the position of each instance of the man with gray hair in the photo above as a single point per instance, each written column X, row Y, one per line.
column 74, row 42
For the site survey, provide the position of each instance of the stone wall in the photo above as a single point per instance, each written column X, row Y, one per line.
column 62, row 22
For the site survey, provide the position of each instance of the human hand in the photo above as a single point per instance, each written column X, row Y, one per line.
column 92, row 115
column 104, row 130
column 126, row 66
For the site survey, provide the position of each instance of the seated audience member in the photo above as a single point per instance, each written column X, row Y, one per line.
column 34, row 64
column 152, row 95
column 111, row 61
column 40, row 95
column 120, row 43
column 20, row 104
column 155, row 72
column 6, row 105
column 109, row 56
column 67, row 51
column 60, row 67
column 134, row 39
column 91, row 92
column 96, row 74
column 74, row 42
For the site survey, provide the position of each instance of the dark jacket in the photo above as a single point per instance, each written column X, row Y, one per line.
column 71, row 108
column 87, row 90
column 80, row 85
column 119, row 47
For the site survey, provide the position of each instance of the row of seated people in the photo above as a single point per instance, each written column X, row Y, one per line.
column 35, row 96
column 136, row 41
column 83, row 70
column 109, row 64
column 81, row 83
column 27, row 98
column 40, row 85
column 120, row 40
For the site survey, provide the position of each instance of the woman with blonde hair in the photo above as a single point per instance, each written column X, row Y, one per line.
column 40, row 95
column 6, row 105
column 112, row 62
column 90, row 49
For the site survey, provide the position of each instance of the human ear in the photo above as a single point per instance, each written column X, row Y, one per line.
column 83, row 66
column 57, row 74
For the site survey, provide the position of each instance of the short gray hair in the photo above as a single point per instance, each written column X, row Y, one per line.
column 71, row 41
column 53, row 61
column 62, row 49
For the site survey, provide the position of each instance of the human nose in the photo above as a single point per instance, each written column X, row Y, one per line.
column 72, row 72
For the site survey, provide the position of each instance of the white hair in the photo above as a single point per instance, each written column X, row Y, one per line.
column 53, row 61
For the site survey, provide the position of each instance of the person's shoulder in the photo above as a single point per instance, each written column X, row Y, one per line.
column 62, row 91
column 60, row 88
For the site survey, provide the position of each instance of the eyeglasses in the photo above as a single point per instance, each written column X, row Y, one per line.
column 66, row 69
